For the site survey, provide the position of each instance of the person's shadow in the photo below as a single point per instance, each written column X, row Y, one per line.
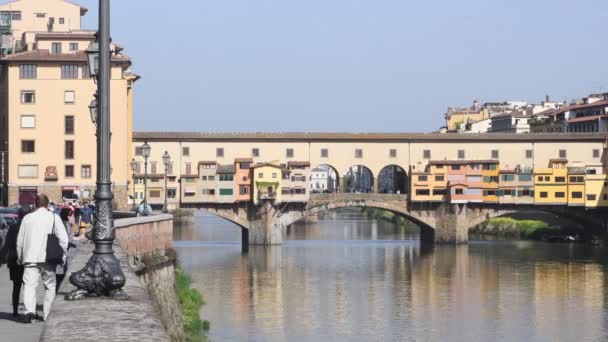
column 6, row 316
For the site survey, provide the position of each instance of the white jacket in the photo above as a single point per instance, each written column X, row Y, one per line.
column 31, row 241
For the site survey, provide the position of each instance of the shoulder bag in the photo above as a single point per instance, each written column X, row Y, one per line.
column 54, row 252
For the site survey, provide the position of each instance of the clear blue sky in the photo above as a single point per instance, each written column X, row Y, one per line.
column 351, row 65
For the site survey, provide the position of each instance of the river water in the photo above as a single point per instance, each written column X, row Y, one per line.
column 349, row 278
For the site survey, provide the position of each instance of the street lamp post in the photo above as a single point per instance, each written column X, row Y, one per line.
column 102, row 275
column 145, row 151
column 133, row 169
column 166, row 161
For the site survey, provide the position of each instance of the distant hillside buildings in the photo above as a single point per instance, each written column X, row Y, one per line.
column 589, row 114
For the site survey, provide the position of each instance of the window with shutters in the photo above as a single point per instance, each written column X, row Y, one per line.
column 426, row 154
column 358, row 153
column 56, row 48
column 86, row 72
column 73, row 46
column 69, row 149
column 28, row 97
column 289, row 153
column 219, row 152
column 28, row 146
column 69, row 71
column 85, row 171
column 69, row 171
column 28, row 71
column 226, row 192
column 324, row 153
column 393, row 153
column 255, row 152
column 69, row 124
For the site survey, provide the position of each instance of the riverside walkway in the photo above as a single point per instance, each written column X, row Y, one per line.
column 10, row 328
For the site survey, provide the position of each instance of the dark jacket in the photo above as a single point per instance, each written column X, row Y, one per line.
column 8, row 253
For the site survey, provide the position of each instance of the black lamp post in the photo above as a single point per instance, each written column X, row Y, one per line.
column 145, row 151
column 166, row 161
column 133, row 169
column 102, row 275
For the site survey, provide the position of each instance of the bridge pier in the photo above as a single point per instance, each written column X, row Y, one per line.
column 451, row 224
column 265, row 230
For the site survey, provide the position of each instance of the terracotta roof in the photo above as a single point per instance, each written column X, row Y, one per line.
column 377, row 137
column 207, row 162
column 298, row 163
column 508, row 171
column 46, row 56
column 65, row 35
column 83, row 10
column 558, row 160
column 603, row 103
column 151, row 175
column 457, row 184
column 588, row 118
column 577, row 172
column 266, row 164
column 243, row 160
column 226, row 169
column 515, row 114
column 462, row 162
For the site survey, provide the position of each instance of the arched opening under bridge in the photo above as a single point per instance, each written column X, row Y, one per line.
column 393, row 179
column 358, row 179
column 357, row 223
column 324, row 179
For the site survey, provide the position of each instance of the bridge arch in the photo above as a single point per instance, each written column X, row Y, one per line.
column 358, row 179
column 393, row 203
column 324, row 178
column 228, row 215
column 393, row 179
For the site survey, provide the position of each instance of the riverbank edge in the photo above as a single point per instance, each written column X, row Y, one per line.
column 191, row 301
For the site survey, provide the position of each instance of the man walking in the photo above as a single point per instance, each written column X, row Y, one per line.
column 31, row 253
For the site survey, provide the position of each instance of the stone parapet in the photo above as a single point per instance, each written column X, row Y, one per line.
column 147, row 234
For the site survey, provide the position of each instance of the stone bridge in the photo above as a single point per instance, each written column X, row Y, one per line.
column 439, row 222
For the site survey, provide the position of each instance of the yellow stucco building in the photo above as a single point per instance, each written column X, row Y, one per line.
column 596, row 189
column 551, row 186
column 46, row 130
column 267, row 182
column 430, row 186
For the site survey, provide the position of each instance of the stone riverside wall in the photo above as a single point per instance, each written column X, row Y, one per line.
column 147, row 241
column 153, row 307
column 139, row 235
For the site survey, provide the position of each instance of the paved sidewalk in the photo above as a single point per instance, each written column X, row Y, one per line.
column 10, row 330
